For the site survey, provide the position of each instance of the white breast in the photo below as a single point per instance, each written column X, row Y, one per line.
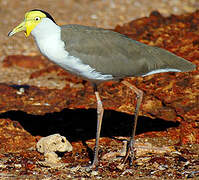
column 51, row 46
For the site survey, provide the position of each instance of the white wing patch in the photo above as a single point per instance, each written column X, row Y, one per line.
column 75, row 66
column 161, row 71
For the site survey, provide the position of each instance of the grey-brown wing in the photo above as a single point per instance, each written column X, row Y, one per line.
column 109, row 52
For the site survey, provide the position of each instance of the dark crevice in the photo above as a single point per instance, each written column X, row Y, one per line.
column 80, row 124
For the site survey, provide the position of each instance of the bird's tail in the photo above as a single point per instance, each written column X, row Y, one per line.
column 171, row 61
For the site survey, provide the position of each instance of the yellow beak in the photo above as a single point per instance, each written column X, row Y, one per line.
column 21, row 27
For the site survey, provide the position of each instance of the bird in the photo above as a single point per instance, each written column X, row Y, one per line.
column 99, row 55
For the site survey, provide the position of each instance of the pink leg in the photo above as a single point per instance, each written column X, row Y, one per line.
column 139, row 94
column 100, row 111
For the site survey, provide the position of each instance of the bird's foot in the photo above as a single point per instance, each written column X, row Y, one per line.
column 91, row 168
column 126, row 153
column 114, row 155
column 129, row 154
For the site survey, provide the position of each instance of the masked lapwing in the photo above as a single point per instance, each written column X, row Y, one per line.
column 99, row 55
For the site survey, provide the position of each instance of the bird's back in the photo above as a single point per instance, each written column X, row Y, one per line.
column 112, row 53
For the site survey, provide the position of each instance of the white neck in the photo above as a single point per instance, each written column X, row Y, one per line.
column 48, row 39
column 45, row 29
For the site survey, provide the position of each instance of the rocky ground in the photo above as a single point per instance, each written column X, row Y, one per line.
column 38, row 98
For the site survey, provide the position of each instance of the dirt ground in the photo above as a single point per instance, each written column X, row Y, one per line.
column 101, row 13
column 161, row 155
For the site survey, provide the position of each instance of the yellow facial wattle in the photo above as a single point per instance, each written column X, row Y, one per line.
column 32, row 19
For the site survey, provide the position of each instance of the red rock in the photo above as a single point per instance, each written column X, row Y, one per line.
column 169, row 96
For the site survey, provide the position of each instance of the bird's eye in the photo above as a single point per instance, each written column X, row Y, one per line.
column 37, row 18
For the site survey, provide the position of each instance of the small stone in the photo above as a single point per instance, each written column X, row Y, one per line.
column 21, row 91
column 3, row 166
column 54, row 143
column 18, row 165
column 36, row 104
column 94, row 173
column 120, row 166
column 51, row 144
column 161, row 168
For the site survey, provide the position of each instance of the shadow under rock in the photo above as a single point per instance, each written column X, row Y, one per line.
column 80, row 124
